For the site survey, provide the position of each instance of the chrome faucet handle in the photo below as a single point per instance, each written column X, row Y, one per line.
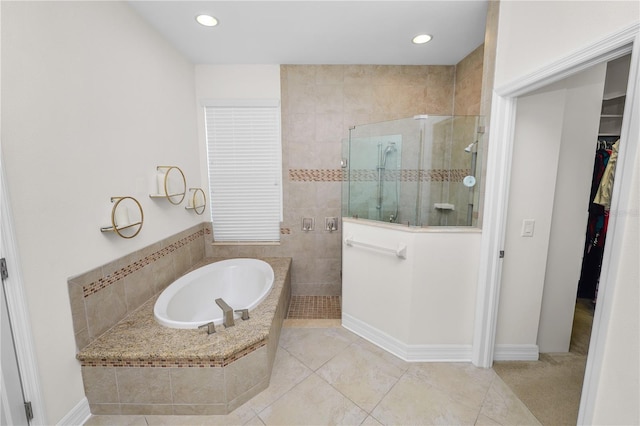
column 211, row 328
column 244, row 312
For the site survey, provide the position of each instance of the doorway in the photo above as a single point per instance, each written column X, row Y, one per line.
column 20, row 382
column 618, row 261
column 13, row 401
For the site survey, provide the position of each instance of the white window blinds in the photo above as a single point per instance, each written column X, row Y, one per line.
column 245, row 170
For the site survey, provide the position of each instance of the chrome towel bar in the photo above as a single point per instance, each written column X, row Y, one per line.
column 401, row 251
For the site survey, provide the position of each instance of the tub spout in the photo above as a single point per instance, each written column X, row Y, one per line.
column 227, row 313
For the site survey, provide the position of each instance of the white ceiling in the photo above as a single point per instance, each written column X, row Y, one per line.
column 320, row 32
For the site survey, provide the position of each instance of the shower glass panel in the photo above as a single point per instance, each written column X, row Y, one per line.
column 419, row 171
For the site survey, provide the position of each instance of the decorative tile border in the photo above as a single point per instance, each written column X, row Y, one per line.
column 121, row 273
column 172, row 362
column 367, row 175
column 316, row 175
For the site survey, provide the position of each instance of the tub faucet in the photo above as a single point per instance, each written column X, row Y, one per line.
column 227, row 313
column 210, row 327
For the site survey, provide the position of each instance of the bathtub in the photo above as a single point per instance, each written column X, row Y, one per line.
column 189, row 301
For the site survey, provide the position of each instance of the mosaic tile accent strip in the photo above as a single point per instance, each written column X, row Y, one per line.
column 367, row 175
column 315, row 307
column 121, row 273
column 172, row 363
column 316, row 175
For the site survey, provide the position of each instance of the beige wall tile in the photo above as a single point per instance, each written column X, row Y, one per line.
column 199, row 410
column 330, row 74
column 245, row 373
column 78, row 313
column 100, row 386
column 144, row 385
column 198, row 385
column 105, row 308
column 163, row 273
column 139, row 287
column 105, row 409
column 150, row 409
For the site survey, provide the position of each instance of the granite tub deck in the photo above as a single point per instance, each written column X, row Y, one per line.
column 142, row 367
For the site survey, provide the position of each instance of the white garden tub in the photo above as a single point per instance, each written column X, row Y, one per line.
column 189, row 302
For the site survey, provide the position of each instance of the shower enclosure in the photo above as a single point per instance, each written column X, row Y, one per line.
column 418, row 171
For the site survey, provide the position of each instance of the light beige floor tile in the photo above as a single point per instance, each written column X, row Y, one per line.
column 116, row 420
column 462, row 381
column 315, row 346
column 486, row 421
column 503, row 406
column 361, row 375
column 313, row 402
column 237, row 417
column 371, row 421
column 255, row 421
column 412, row 401
column 287, row 372
column 385, row 355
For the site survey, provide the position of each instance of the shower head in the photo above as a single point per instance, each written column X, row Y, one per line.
column 390, row 148
column 470, row 147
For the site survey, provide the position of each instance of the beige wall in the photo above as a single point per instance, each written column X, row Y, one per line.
column 468, row 83
column 87, row 113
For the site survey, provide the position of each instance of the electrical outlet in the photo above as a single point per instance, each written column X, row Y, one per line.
column 330, row 224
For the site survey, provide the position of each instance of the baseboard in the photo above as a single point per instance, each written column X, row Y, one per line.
column 78, row 414
column 516, row 353
column 406, row 352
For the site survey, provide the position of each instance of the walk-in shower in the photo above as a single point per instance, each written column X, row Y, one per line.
column 417, row 171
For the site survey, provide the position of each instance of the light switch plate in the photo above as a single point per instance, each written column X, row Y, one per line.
column 527, row 227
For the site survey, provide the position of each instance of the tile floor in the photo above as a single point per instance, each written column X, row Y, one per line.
column 329, row 376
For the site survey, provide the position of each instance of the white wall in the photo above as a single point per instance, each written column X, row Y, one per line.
column 231, row 82
column 92, row 101
column 537, row 33
column 554, row 148
column 421, row 307
column 533, row 175
column 560, row 29
column 570, row 207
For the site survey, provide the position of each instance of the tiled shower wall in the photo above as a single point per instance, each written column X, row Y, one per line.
column 319, row 105
column 100, row 298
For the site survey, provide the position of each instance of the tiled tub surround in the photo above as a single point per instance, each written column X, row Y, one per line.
column 141, row 367
column 102, row 297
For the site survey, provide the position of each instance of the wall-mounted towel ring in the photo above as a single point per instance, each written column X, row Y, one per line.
column 172, row 184
column 121, row 223
column 197, row 200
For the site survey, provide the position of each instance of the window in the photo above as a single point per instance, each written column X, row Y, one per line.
column 245, row 170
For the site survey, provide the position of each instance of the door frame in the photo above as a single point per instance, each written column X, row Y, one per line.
column 18, row 309
column 501, row 140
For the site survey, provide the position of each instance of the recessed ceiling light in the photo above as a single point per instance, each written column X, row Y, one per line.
column 421, row 39
column 207, row 20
